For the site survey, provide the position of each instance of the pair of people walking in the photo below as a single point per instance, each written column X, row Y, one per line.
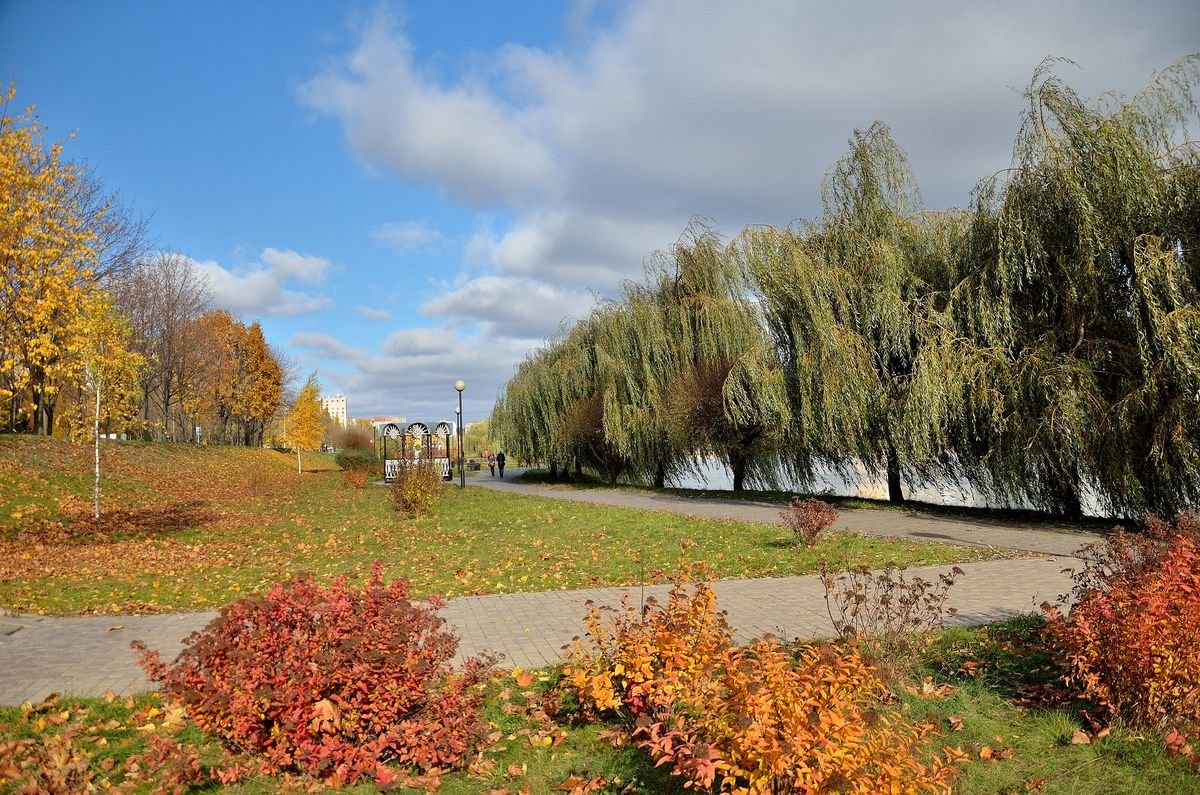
column 496, row 460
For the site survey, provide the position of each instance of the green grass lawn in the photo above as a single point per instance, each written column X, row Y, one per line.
column 191, row 527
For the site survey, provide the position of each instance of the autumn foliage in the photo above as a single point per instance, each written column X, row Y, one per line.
column 416, row 488
column 333, row 682
column 808, row 518
column 747, row 720
column 1132, row 640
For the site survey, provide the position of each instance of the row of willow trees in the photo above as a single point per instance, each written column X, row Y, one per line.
column 1042, row 345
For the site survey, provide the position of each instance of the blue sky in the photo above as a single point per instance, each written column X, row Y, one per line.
column 407, row 194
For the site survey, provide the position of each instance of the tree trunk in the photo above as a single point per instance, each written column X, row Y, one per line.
column 96, row 441
column 895, row 490
column 553, row 470
column 299, row 470
column 737, row 464
column 660, row 476
column 578, row 470
column 1067, row 496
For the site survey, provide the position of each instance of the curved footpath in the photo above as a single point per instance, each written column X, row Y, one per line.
column 90, row 655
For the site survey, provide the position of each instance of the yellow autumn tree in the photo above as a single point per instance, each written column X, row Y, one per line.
column 302, row 428
column 107, row 376
column 262, row 388
column 47, row 252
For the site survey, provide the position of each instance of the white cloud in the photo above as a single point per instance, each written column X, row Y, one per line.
column 475, row 145
column 604, row 149
column 260, row 289
column 511, row 307
column 409, row 237
column 372, row 314
column 596, row 151
column 327, row 347
column 291, row 265
column 413, row 375
column 418, row 342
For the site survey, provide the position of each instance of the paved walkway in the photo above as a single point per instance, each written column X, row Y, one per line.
column 91, row 655
column 1040, row 538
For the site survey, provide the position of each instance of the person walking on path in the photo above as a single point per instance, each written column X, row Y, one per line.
column 491, row 458
column 500, row 462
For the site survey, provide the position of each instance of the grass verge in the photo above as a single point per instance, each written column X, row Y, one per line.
column 191, row 527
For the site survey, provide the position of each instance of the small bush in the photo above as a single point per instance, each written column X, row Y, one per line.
column 1132, row 640
column 357, row 460
column 887, row 613
column 333, row 682
column 808, row 518
column 758, row 719
column 416, row 488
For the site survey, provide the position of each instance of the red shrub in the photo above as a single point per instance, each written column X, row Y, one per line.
column 332, row 682
column 808, row 518
column 1133, row 643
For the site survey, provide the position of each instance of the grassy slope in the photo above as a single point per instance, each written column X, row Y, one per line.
column 189, row 527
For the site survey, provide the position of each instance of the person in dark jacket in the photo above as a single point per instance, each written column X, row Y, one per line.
column 500, row 462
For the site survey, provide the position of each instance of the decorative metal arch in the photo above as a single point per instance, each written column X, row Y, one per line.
column 443, row 428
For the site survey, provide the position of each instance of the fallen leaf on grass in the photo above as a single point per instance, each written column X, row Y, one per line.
column 1035, row 784
column 578, row 786
column 929, row 690
column 991, row 754
column 516, row 771
column 617, row 738
column 956, row 723
column 1080, row 737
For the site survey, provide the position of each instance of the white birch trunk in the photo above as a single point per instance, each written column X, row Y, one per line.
column 96, row 442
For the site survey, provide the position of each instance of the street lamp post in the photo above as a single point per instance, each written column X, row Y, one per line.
column 460, row 385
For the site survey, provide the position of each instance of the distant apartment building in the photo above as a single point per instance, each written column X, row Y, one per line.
column 336, row 406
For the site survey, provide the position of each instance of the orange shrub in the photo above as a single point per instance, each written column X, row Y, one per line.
column 1133, row 647
column 758, row 719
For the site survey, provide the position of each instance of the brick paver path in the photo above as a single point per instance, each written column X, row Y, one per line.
column 91, row 655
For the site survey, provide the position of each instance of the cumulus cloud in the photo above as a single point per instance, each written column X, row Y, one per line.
column 327, row 347
column 510, row 307
column 372, row 314
column 605, row 149
column 595, row 152
column 292, row 265
column 409, row 237
column 475, row 145
column 413, row 374
column 261, row 289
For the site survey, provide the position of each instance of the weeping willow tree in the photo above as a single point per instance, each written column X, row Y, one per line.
column 854, row 302
column 553, row 409
column 1086, row 282
column 713, row 383
column 629, row 336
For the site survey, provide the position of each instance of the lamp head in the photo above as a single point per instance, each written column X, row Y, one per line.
column 460, row 385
